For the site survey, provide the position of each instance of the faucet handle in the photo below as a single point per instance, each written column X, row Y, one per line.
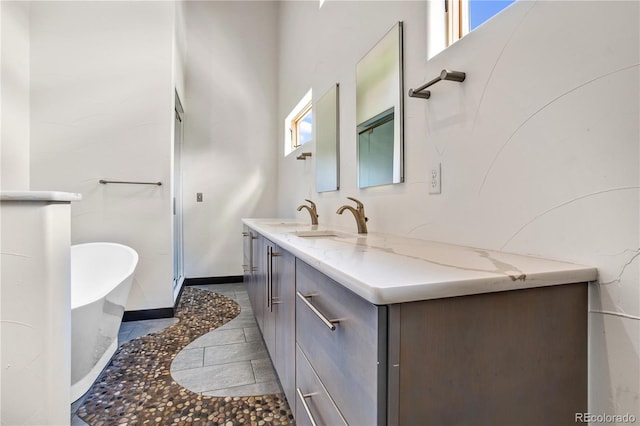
column 313, row 205
column 358, row 202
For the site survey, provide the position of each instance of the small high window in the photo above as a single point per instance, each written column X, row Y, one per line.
column 298, row 126
column 301, row 127
column 463, row 16
column 450, row 20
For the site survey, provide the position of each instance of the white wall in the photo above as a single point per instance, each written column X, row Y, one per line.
column 102, row 107
column 180, row 50
column 14, row 95
column 314, row 54
column 539, row 146
column 230, row 129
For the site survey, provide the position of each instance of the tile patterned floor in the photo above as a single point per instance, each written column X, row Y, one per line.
column 231, row 360
column 137, row 386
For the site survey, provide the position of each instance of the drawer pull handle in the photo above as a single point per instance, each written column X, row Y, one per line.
column 245, row 234
column 305, row 405
column 329, row 323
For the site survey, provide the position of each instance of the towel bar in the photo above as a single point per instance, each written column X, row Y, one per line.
column 419, row 92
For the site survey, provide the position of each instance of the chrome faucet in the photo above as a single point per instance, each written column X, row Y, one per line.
column 312, row 211
column 358, row 213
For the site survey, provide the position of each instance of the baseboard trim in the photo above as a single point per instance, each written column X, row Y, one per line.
column 147, row 314
column 214, row 280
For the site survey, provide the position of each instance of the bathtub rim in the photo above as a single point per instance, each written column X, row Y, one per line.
column 104, row 292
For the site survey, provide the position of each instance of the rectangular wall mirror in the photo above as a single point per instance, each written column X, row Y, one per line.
column 379, row 112
column 327, row 119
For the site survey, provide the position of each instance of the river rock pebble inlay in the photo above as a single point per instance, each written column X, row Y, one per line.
column 137, row 388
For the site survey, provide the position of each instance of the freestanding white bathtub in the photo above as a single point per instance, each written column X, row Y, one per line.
column 101, row 277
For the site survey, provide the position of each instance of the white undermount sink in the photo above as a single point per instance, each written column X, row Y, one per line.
column 319, row 233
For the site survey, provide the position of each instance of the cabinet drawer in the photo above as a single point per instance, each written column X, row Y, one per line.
column 311, row 392
column 351, row 359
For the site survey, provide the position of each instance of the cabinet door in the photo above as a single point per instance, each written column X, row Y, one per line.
column 246, row 254
column 284, row 305
column 269, row 317
column 249, row 238
column 312, row 401
column 258, row 280
column 278, row 307
column 349, row 359
column 504, row 358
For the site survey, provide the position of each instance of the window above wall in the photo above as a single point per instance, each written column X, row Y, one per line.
column 298, row 126
column 450, row 20
column 301, row 127
column 463, row 16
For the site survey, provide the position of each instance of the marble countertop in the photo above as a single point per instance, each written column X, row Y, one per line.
column 55, row 196
column 386, row 269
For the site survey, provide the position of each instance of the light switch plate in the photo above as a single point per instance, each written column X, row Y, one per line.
column 435, row 174
column 198, row 197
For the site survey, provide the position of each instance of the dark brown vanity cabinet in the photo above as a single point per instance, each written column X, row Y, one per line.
column 506, row 358
column 514, row 357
